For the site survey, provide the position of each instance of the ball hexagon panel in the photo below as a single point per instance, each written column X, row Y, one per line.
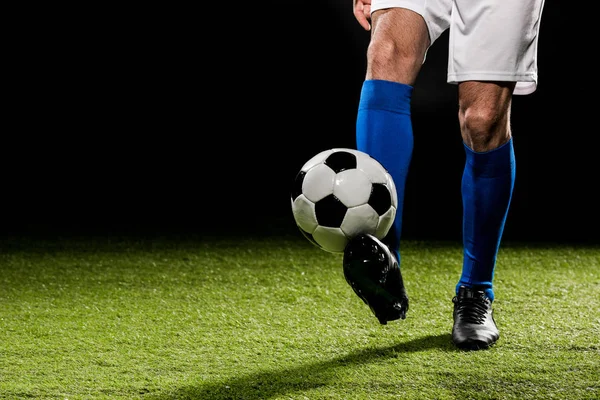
column 330, row 239
column 372, row 168
column 318, row 182
column 309, row 237
column 304, row 214
column 352, row 187
column 361, row 219
column 297, row 184
column 392, row 187
column 385, row 222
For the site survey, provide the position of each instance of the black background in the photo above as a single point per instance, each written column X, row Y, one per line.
column 170, row 121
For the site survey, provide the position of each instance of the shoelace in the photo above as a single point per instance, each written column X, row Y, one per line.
column 472, row 310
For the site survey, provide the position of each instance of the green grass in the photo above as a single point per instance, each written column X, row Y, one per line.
column 273, row 318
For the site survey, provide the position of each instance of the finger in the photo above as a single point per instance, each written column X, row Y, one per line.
column 361, row 13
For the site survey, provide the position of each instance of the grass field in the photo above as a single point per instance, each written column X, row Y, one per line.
column 273, row 318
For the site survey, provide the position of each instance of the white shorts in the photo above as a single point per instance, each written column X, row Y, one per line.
column 489, row 40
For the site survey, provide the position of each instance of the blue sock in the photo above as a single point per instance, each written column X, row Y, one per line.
column 384, row 131
column 487, row 186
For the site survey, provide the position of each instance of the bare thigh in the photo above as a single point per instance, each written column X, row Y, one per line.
column 399, row 41
column 484, row 113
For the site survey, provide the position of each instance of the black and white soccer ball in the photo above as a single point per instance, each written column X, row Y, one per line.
column 340, row 193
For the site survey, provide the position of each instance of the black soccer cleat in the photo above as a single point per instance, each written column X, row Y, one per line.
column 474, row 326
column 374, row 274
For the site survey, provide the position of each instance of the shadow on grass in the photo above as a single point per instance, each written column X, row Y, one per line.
column 265, row 385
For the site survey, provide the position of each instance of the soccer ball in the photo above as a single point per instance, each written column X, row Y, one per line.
column 340, row 193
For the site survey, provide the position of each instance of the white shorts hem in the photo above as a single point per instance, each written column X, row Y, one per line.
column 410, row 5
column 526, row 83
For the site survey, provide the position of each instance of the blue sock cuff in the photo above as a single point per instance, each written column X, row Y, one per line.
column 385, row 95
column 497, row 162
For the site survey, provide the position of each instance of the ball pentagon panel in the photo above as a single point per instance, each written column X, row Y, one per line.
column 330, row 211
column 316, row 159
column 381, row 198
column 341, row 160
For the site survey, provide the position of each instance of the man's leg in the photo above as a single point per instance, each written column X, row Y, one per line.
column 384, row 130
column 487, row 186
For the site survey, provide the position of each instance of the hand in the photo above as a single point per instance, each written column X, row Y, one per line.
column 362, row 13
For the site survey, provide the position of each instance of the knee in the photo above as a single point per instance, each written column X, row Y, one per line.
column 386, row 59
column 484, row 128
